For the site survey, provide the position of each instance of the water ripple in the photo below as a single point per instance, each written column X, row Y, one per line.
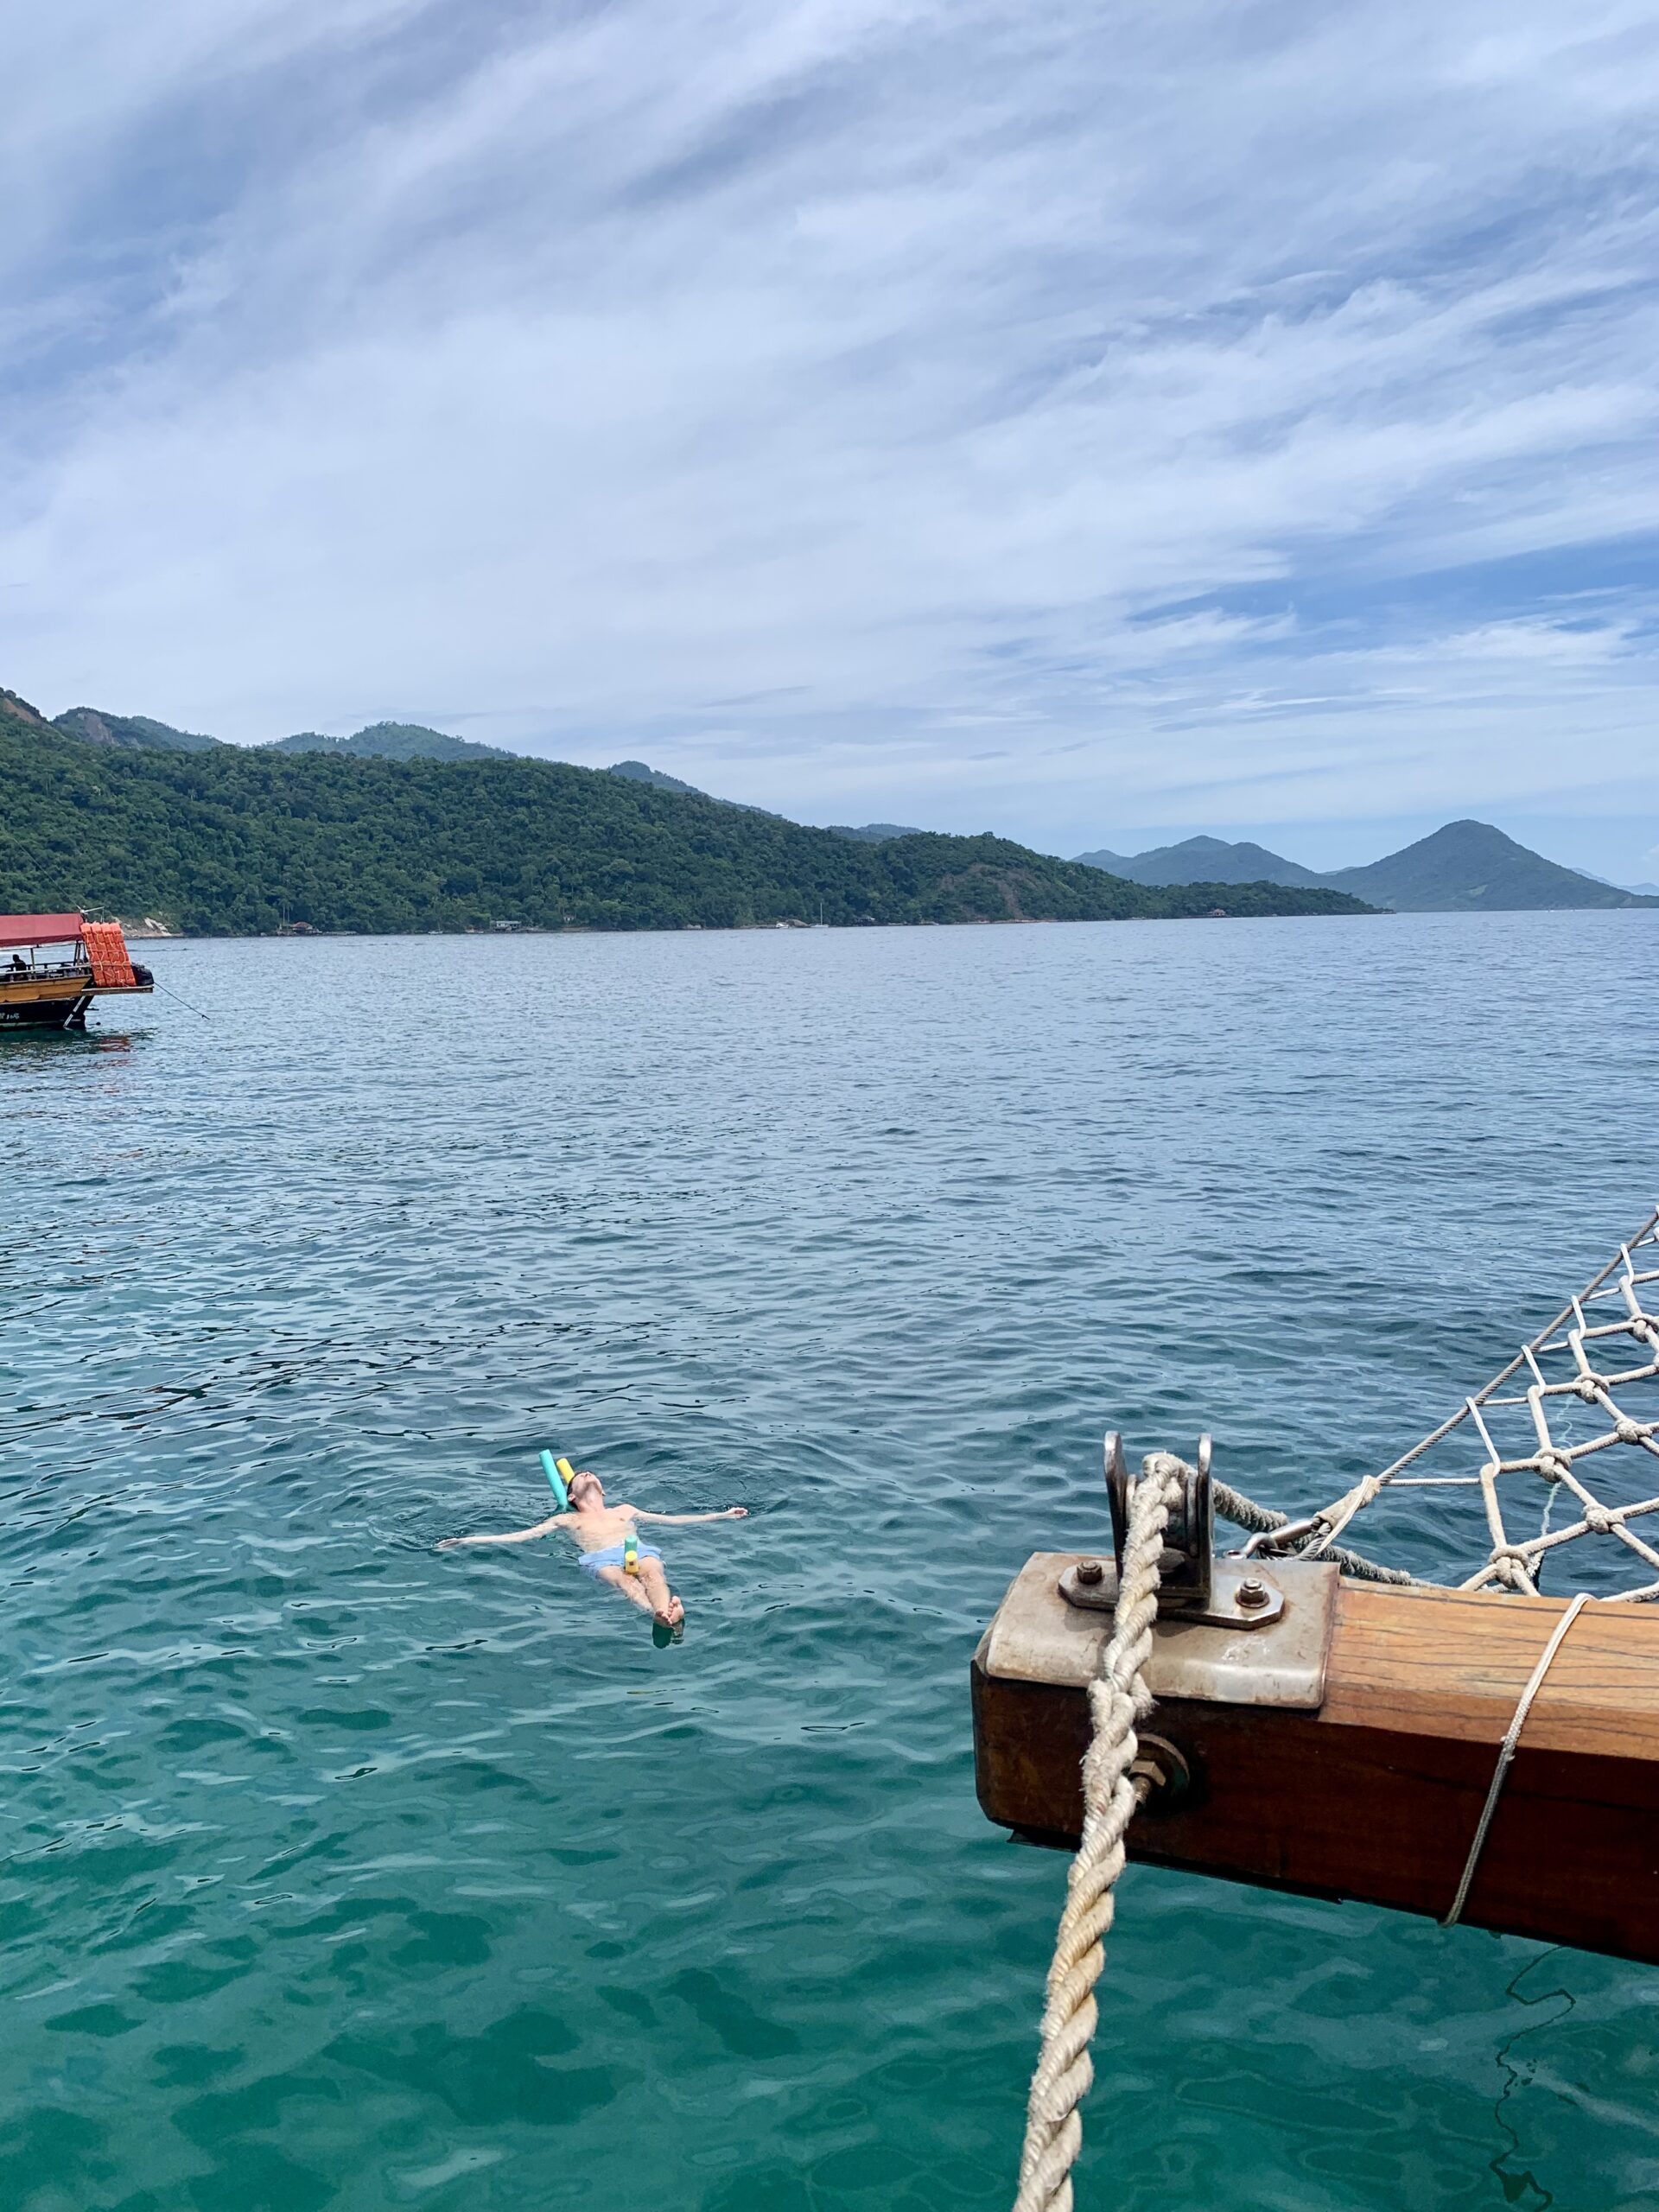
column 336, row 1871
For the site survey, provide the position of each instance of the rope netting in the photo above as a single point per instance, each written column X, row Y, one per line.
column 1561, row 1447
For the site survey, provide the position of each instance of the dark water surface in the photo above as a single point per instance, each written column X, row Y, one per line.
column 340, row 1873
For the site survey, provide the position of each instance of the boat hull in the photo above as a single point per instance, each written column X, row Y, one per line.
column 55, row 1001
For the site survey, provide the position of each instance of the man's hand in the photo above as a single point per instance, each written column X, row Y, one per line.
column 735, row 1513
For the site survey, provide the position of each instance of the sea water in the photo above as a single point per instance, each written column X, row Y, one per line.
column 341, row 1872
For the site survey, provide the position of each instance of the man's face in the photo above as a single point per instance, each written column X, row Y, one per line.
column 587, row 1490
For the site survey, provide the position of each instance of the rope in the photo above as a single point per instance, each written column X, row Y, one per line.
column 1507, row 1752
column 1262, row 1521
column 185, row 1003
column 1118, row 1697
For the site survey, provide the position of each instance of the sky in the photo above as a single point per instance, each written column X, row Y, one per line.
column 1097, row 424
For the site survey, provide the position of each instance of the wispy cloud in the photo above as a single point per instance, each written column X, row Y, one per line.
column 789, row 391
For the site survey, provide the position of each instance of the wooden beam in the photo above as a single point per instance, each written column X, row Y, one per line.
column 1377, row 1794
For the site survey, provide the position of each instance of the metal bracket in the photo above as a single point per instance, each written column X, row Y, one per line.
column 1243, row 1594
column 1189, row 1539
column 1042, row 1634
column 1230, row 1631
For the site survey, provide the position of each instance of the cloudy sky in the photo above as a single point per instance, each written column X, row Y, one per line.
column 1097, row 423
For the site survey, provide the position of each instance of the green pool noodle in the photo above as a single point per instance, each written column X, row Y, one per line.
column 551, row 1471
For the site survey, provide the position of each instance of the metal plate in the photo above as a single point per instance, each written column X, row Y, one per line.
column 1221, row 1608
column 1038, row 1637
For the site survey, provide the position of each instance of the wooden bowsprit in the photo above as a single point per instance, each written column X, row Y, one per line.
column 1329, row 1725
column 1347, row 1749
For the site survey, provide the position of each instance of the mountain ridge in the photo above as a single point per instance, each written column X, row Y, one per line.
column 1469, row 867
column 639, row 771
column 1211, row 860
column 389, row 741
column 1464, row 866
column 130, row 732
column 238, row 840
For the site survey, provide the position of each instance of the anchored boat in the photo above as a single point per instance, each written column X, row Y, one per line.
column 53, row 966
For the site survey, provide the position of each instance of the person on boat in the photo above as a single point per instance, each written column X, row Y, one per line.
column 601, row 1532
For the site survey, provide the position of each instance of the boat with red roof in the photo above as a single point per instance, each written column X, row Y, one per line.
column 53, row 966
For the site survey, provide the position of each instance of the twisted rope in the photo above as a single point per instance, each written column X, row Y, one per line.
column 1118, row 1698
column 1311, row 1535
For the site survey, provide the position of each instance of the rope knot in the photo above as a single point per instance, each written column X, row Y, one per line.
column 1631, row 1431
column 1510, row 1563
column 1599, row 1521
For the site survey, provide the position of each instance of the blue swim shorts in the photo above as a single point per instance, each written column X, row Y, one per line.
column 590, row 1562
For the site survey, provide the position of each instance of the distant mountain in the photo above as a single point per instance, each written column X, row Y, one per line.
column 1469, row 867
column 379, row 741
column 389, row 741
column 237, row 841
column 1108, row 863
column 1202, row 860
column 133, row 732
column 1642, row 890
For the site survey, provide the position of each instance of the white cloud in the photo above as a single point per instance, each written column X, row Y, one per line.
column 787, row 391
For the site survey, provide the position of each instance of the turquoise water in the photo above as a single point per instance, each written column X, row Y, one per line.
column 340, row 1873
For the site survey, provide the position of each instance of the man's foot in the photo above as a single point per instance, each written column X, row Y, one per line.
column 672, row 1614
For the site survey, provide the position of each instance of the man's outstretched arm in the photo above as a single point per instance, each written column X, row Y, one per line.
column 684, row 1520
column 515, row 1536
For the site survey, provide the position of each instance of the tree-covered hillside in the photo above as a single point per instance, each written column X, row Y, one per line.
column 392, row 742
column 139, row 731
column 232, row 842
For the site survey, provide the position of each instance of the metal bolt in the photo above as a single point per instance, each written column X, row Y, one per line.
column 1251, row 1594
column 1089, row 1571
column 1165, row 1772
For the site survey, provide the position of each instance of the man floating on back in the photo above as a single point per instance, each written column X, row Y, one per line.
column 607, row 1538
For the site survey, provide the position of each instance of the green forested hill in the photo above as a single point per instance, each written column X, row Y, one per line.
column 392, row 742
column 232, row 842
column 140, row 732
